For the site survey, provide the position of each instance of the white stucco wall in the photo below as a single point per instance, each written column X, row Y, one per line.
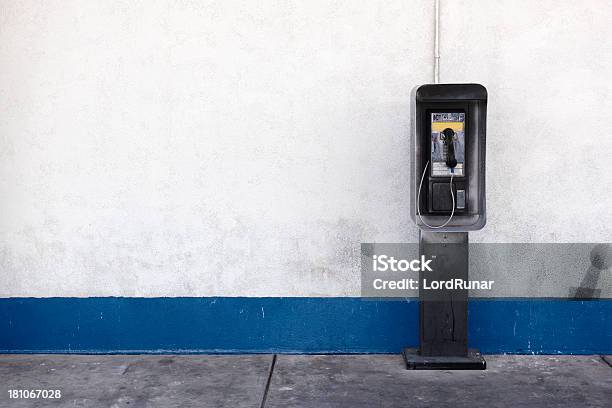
column 547, row 66
column 240, row 149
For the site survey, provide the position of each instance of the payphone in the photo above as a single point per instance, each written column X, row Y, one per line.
column 448, row 200
column 448, row 180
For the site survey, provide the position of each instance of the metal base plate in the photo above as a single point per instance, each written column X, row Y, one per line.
column 415, row 361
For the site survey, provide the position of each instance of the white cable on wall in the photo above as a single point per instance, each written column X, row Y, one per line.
column 437, row 43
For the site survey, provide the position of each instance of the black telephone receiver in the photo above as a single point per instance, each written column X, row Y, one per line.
column 449, row 135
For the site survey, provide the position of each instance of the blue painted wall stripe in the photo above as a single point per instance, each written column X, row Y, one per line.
column 292, row 325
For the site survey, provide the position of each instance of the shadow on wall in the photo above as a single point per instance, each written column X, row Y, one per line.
column 601, row 259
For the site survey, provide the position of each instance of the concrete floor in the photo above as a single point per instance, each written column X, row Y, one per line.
column 303, row 381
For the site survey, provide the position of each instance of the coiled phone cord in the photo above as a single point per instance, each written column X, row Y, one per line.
column 419, row 199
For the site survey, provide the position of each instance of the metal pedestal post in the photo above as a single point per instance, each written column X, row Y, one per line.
column 443, row 312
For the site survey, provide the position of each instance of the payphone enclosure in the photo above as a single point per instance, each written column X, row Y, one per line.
column 449, row 138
